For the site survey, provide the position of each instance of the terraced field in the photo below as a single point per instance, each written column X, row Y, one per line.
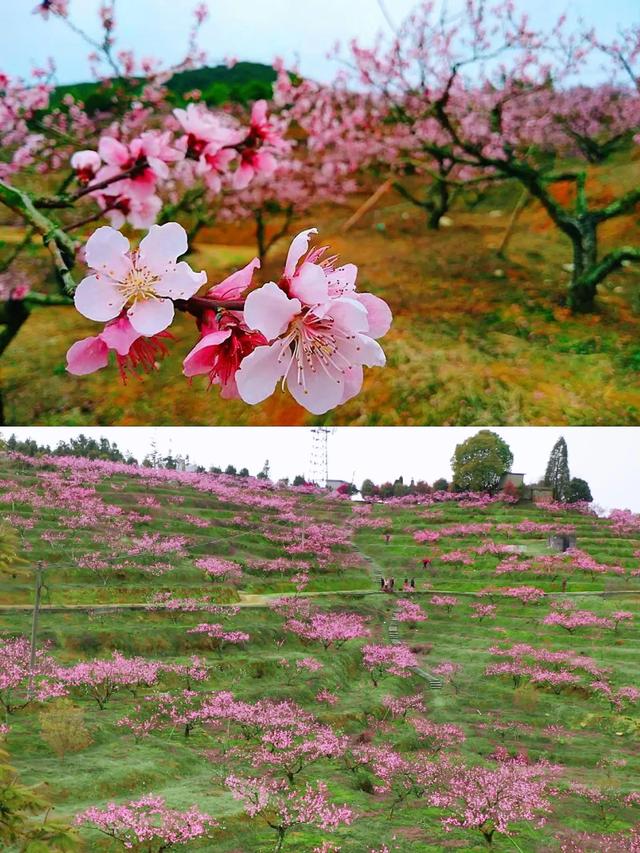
column 119, row 547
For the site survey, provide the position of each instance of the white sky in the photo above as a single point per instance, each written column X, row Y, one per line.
column 607, row 457
column 255, row 30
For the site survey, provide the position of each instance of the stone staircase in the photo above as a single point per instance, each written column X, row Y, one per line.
column 394, row 638
column 393, row 631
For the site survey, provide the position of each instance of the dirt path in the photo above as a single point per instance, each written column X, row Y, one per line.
column 262, row 600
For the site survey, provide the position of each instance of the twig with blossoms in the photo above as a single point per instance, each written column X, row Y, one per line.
column 312, row 329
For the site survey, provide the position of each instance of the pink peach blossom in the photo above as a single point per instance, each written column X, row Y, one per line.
column 319, row 341
column 144, row 281
column 132, row 350
column 226, row 339
column 86, row 165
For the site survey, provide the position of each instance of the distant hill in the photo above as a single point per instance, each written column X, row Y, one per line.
column 246, row 81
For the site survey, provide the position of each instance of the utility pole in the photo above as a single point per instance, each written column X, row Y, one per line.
column 34, row 625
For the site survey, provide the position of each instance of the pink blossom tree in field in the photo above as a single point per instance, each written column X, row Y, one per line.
column 409, row 611
column 283, row 808
column 381, row 660
column 448, row 671
column 295, row 670
column 524, row 594
column 618, row 617
column 483, row 611
column 149, row 824
column 435, row 737
column 571, row 620
column 102, row 678
column 290, row 750
column 218, row 637
column 555, row 670
column 493, row 800
column 329, row 628
column 446, row 601
column 400, row 777
column 400, row 706
column 20, row 683
column 217, row 569
column 182, row 710
column 623, row 697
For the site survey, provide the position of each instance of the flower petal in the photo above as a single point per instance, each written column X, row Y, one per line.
column 98, row 298
column 353, row 378
column 298, row 247
column 113, row 152
column 342, row 280
column 309, row 284
column 242, row 176
column 269, row 310
column 150, row 316
column 106, row 251
column 235, row 285
column 349, row 314
column 162, row 246
column 321, row 389
column 87, row 356
column 259, row 372
column 199, row 360
column 259, row 112
column 119, row 335
column 181, row 282
column 378, row 313
column 361, row 349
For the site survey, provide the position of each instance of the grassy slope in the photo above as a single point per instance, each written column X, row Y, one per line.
column 113, row 766
column 476, row 340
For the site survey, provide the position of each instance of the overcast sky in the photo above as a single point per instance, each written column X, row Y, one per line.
column 608, row 458
column 255, row 30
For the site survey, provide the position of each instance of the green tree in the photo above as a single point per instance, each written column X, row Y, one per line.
column 368, row 488
column 299, row 480
column 62, row 727
column 480, row 461
column 231, row 470
column 9, row 548
column 399, row 488
column 557, row 475
column 266, row 471
column 24, row 817
column 440, row 485
column 579, row 491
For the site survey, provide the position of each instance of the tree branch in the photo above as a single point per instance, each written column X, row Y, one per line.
column 611, row 262
column 60, row 245
column 69, row 200
column 626, row 204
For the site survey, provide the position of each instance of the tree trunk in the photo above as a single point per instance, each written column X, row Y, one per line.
column 13, row 314
column 439, row 206
column 261, row 240
column 583, row 288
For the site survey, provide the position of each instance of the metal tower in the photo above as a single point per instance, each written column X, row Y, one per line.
column 319, row 464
